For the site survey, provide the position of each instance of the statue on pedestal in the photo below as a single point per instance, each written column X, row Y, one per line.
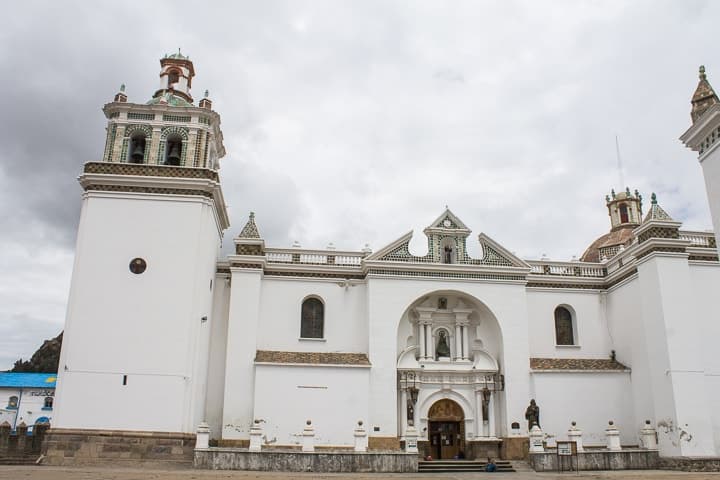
column 532, row 414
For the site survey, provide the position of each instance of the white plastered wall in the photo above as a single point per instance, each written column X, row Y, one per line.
column 333, row 398
column 145, row 326
column 705, row 282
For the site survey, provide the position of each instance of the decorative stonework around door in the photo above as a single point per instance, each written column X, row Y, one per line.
column 446, row 431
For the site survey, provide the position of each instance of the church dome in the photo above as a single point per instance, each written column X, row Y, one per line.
column 169, row 99
column 608, row 244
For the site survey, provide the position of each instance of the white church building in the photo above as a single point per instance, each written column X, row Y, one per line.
column 163, row 334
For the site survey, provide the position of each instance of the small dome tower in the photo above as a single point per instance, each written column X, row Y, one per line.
column 176, row 74
column 624, row 208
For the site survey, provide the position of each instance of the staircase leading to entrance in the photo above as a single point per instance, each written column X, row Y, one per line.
column 455, row 466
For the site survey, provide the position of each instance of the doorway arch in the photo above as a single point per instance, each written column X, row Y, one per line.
column 446, row 429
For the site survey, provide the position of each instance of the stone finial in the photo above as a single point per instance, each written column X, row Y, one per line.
column 250, row 230
column 360, row 423
column 308, row 422
column 122, row 87
column 653, row 198
column 207, row 93
column 704, row 96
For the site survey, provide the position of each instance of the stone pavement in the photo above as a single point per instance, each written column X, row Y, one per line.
column 115, row 473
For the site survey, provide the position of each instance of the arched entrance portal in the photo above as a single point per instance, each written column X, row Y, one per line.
column 446, row 429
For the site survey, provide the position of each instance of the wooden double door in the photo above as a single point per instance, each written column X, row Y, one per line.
column 447, row 439
column 446, row 430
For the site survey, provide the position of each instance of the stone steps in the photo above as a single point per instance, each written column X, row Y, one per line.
column 19, row 460
column 457, row 466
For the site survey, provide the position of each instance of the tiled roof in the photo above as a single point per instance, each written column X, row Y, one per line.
column 250, row 230
column 703, row 98
column 619, row 236
column 576, row 364
column 314, row 358
column 28, row 380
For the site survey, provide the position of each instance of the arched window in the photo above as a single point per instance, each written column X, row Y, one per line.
column 13, row 402
column 173, row 78
column 312, row 318
column 624, row 214
column 564, row 328
column 136, row 153
column 48, row 402
column 173, row 150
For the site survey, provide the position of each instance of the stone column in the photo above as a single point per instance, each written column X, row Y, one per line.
column 360, row 435
column 308, row 437
column 466, row 343
column 403, row 408
column 154, row 145
column 613, row 436
column 491, row 415
column 458, row 342
column 202, row 436
column 256, row 436
column 430, row 342
column 478, row 414
column 424, row 321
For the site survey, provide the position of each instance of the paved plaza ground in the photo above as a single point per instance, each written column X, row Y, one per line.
column 110, row 473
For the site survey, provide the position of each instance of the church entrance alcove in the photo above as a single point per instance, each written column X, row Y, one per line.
column 446, row 430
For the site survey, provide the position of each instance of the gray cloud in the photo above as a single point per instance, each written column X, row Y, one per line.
column 353, row 122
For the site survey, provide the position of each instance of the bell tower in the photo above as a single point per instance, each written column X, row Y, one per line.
column 134, row 356
column 704, row 137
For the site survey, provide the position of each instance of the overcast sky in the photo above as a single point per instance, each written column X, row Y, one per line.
column 354, row 122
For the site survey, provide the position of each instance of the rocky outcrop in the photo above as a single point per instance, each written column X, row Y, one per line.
column 45, row 359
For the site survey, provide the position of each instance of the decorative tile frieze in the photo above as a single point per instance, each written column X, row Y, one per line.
column 589, row 364
column 704, row 258
column 445, row 274
column 312, row 358
column 661, row 249
column 158, row 190
column 242, row 249
column 659, row 232
column 143, row 170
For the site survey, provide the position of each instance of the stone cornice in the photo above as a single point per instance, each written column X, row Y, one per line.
column 158, row 185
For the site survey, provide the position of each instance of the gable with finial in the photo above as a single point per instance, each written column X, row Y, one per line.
column 447, row 244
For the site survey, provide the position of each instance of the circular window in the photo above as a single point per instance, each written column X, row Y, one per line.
column 137, row 265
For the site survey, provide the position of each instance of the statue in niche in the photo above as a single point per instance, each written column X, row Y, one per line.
column 442, row 349
column 532, row 414
column 442, row 303
column 485, row 403
column 447, row 255
column 410, row 411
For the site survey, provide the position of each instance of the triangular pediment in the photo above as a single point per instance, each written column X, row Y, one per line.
column 493, row 254
column 496, row 254
column 448, row 221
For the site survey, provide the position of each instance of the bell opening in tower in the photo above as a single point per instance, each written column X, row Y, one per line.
column 173, row 152
column 137, row 149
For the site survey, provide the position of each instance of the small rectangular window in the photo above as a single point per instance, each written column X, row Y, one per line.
column 124, row 379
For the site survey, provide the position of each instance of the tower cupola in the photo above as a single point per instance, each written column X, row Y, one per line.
column 176, row 74
column 624, row 208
